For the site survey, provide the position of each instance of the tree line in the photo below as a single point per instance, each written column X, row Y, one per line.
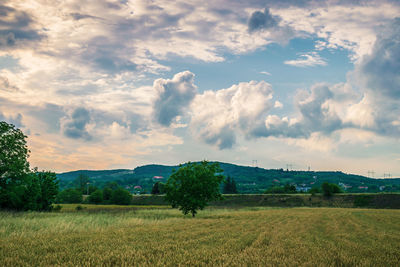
column 22, row 188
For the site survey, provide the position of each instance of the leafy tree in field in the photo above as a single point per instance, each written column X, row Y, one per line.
column 329, row 189
column 96, row 197
column 121, row 196
column 192, row 186
column 229, row 186
column 69, row 195
column 20, row 188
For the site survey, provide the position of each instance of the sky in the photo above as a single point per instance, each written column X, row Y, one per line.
column 107, row 84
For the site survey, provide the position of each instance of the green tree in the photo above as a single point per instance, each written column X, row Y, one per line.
column 14, row 167
column 229, row 186
column 70, row 195
column 20, row 188
column 121, row 196
column 82, row 182
column 96, row 197
column 158, row 188
column 329, row 189
column 193, row 186
column 48, row 189
column 107, row 193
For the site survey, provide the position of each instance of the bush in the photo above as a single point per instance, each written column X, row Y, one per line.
column 57, row 207
column 314, row 190
column 69, row 195
column 107, row 193
column 121, row 196
column 96, row 197
column 287, row 189
column 330, row 189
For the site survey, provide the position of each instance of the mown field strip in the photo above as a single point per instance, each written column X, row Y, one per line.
column 252, row 237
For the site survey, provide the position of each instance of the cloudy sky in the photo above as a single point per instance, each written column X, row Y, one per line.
column 119, row 83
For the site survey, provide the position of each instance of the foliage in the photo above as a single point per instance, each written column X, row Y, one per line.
column 82, row 182
column 70, row 195
column 48, row 189
column 229, row 186
column 57, row 207
column 193, row 186
column 20, row 188
column 79, row 207
column 314, row 190
column 329, row 189
column 107, row 193
column 121, row 196
column 158, row 188
column 362, row 200
column 286, row 189
column 96, row 197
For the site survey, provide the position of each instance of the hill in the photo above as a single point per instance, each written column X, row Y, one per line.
column 250, row 180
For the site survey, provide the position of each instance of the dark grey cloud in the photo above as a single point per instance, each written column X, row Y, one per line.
column 16, row 27
column 379, row 74
column 261, row 21
column 50, row 114
column 79, row 16
column 381, row 69
column 104, row 55
column 75, row 127
column 174, row 96
column 225, row 138
column 316, row 117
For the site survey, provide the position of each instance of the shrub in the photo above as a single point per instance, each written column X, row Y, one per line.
column 121, row 196
column 330, row 189
column 96, row 197
column 107, row 193
column 57, row 207
column 69, row 195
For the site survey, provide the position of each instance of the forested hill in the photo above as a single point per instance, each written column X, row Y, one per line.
column 248, row 179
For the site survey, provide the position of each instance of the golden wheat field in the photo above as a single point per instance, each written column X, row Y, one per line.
column 216, row 237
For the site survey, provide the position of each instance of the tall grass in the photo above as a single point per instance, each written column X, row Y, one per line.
column 256, row 237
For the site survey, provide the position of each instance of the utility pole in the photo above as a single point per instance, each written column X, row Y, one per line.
column 87, row 191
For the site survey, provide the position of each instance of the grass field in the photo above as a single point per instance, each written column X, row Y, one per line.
column 227, row 237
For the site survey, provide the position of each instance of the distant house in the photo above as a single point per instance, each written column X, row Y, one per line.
column 158, row 177
column 382, row 187
column 275, row 181
column 301, row 188
column 363, row 187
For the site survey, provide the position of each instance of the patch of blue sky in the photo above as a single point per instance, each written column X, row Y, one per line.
column 8, row 62
column 285, row 79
